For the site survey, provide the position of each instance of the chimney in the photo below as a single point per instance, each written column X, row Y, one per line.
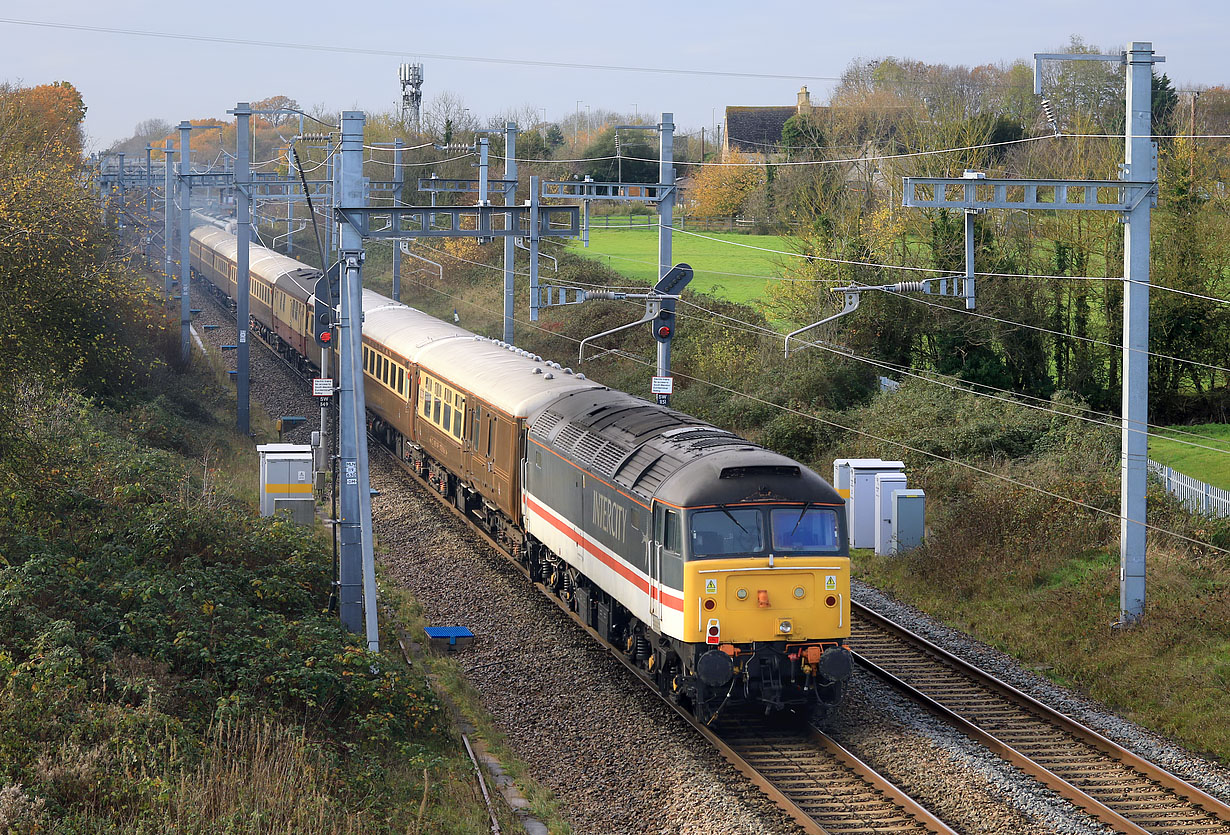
column 804, row 104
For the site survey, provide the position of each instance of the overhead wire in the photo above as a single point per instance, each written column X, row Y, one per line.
column 939, row 273
column 901, row 444
column 353, row 50
column 937, row 378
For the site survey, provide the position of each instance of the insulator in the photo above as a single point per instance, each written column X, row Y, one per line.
column 599, row 294
column 907, row 287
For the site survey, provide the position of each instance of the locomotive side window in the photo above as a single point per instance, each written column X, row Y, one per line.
column 670, row 531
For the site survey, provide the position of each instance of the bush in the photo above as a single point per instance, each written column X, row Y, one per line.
column 141, row 608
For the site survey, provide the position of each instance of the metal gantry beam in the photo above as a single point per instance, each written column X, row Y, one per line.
column 591, row 190
column 1052, row 195
column 380, row 222
column 448, row 185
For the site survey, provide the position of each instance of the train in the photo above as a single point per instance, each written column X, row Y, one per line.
column 719, row 567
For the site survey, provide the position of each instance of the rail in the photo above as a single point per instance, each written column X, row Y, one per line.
column 1111, row 783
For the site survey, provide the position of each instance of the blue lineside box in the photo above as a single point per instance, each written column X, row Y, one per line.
column 448, row 638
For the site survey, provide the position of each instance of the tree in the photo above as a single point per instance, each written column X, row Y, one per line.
column 637, row 161
column 723, row 190
column 277, row 103
column 1165, row 100
column 49, row 116
column 555, row 137
column 802, row 137
column 530, row 145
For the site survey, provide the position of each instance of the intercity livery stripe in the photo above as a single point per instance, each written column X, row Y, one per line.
column 608, row 558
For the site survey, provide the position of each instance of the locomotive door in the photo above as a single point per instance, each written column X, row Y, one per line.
column 665, row 536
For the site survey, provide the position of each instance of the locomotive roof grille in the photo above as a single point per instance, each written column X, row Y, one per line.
column 546, row 422
column 760, row 470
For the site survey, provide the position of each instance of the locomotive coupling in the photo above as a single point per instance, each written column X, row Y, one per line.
column 715, row 668
column 836, row 664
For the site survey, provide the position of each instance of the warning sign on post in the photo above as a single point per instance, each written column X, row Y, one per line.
column 662, row 385
column 322, row 387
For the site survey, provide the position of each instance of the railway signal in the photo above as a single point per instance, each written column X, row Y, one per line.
column 322, row 310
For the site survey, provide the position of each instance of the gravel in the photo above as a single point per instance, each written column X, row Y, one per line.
column 1200, row 772
column 617, row 758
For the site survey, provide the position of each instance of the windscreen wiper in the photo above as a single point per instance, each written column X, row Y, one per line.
column 799, row 521
column 722, row 508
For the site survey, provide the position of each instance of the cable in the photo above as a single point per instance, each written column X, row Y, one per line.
column 941, row 273
column 392, row 148
column 752, row 328
column 818, row 419
column 931, row 377
column 351, row 50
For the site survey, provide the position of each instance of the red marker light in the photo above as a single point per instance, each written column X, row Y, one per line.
column 664, row 331
column 326, row 336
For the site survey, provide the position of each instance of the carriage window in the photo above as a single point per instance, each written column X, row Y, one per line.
column 401, row 381
column 457, row 413
column 435, row 406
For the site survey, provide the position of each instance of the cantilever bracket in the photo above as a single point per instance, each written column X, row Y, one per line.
column 852, row 299
column 651, row 310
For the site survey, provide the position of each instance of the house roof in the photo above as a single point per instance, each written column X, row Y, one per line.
column 756, row 129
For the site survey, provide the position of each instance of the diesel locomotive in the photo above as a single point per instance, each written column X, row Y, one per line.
column 719, row 567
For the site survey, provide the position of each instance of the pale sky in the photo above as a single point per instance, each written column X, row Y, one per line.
column 128, row 78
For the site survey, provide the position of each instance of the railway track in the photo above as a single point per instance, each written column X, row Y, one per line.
column 823, row 787
column 1123, row 790
column 826, row 789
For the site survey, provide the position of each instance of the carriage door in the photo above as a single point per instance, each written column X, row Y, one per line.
column 666, row 538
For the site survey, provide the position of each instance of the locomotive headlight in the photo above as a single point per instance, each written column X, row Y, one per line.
column 798, row 592
column 741, row 594
column 784, row 627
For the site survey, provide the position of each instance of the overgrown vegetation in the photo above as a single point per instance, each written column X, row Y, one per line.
column 167, row 660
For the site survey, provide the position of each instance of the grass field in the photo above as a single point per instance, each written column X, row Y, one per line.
column 1206, row 465
column 729, row 272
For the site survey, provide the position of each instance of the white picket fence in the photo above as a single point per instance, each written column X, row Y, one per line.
column 1195, row 494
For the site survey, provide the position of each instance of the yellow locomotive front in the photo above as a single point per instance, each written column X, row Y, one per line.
column 766, row 604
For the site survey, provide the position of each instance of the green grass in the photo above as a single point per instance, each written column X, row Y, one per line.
column 1204, row 464
column 734, row 273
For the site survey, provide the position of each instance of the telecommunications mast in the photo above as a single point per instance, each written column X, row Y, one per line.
column 411, row 92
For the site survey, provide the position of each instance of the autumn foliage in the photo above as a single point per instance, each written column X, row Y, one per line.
column 69, row 308
column 721, row 190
